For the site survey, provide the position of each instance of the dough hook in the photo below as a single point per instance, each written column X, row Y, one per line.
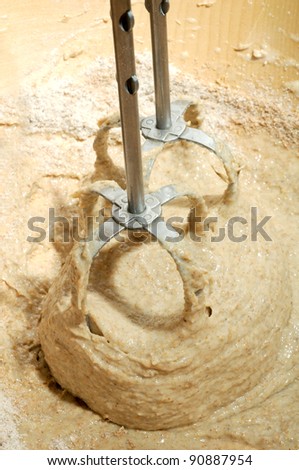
column 132, row 209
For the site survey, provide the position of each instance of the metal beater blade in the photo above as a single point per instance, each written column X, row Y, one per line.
column 168, row 124
column 132, row 209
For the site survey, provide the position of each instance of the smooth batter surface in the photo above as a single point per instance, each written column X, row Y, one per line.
column 252, row 293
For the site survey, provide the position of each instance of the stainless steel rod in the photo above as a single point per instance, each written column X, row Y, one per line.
column 158, row 10
column 123, row 23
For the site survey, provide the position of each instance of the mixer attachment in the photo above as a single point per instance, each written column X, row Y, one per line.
column 132, row 209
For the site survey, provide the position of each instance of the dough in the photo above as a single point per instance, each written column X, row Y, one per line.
column 151, row 355
column 49, row 132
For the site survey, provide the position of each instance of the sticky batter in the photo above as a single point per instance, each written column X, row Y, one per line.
column 222, row 376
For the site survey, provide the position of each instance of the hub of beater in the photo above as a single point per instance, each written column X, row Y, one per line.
column 150, row 219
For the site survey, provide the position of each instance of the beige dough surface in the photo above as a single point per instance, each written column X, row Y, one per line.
column 149, row 350
column 240, row 364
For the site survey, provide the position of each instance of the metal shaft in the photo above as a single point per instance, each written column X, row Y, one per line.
column 123, row 23
column 158, row 10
